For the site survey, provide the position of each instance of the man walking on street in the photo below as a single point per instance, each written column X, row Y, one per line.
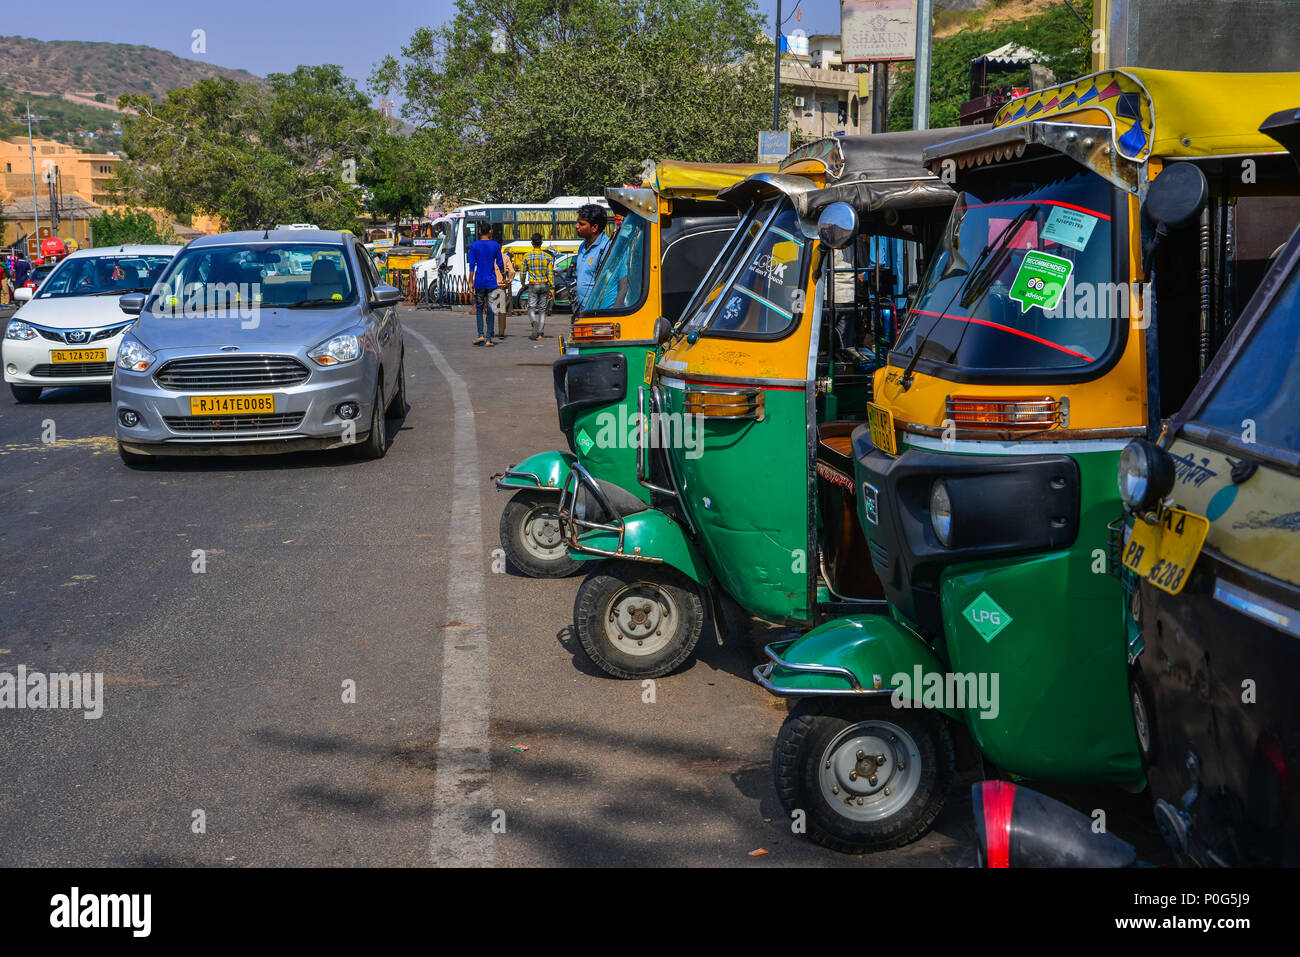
column 484, row 257
column 591, row 230
column 539, row 280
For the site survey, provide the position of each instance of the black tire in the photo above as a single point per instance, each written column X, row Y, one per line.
column 25, row 393
column 375, row 445
column 134, row 459
column 631, row 597
column 830, row 730
column 530, row 536
column 398, row 407
column 1144, row 716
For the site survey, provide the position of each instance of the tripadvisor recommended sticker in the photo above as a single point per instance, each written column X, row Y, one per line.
column 1041, row 280
column 986, row 616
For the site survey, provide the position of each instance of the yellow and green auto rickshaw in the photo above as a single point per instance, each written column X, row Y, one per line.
column 985, row 475
column 672, row 231
column 744, row 430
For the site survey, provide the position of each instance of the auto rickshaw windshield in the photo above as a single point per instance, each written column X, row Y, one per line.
column 760, row 292
column 742, row 237
column 620, row 284
column 1023, row 278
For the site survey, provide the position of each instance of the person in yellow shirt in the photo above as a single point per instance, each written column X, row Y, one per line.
column 539, row 283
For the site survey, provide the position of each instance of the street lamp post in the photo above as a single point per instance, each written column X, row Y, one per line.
column 776, row 70
column 921, row 98
column 36, row 206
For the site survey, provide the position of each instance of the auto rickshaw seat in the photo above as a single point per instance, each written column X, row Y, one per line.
column 847, row 559
column 835, row 444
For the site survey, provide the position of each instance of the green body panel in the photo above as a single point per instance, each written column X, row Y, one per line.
column 870, row 646
column 746, row 490
column 657, row 536
column 1063, row 659
column 608, row 453
column 551, row 467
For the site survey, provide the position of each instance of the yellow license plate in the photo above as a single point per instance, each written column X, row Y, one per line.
column 881, row 423
column 1165, row 552
column 78, row 355
column 231, row 404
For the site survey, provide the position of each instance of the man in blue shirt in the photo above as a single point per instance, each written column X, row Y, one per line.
column 591, row 230
column 483, row 257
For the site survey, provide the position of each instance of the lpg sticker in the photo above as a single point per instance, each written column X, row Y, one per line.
column 986, row 616
column 585, row 441
column 1041, row 280
column 1069, row 227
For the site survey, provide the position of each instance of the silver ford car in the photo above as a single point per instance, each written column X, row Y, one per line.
column 242, row 347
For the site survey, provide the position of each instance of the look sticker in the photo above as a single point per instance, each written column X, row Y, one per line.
column 1041, row 280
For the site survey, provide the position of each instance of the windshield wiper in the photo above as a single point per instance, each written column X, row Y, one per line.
column 309, row 302
column 977, row 270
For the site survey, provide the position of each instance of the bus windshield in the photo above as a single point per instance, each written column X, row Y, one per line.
column 1023, row 279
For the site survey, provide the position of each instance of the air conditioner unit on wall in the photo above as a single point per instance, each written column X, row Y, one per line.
column 799, row 101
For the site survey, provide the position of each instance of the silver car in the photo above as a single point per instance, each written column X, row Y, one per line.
column 238, row 350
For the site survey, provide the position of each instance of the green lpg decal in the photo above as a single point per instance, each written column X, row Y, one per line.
column 1040, row 280
column 585, row 441
column 986, row 616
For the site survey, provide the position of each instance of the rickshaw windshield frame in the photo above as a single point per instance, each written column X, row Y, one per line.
column 1052, row 195
column 699, row 313
column 606, row 269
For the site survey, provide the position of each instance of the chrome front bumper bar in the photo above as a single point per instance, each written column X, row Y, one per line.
column 763, row 675
column 572, row 526
column 500, row 477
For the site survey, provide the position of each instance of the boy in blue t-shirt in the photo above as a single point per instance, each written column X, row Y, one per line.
column 484, row 256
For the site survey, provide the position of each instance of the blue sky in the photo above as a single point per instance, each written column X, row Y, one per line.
column 270, row 36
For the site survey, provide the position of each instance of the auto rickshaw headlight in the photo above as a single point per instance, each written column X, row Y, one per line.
column 941, row 512
column 1146, row 475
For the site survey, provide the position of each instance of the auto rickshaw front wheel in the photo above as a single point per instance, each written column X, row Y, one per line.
column 638, row 620
column 867, row 776
column 530, row 535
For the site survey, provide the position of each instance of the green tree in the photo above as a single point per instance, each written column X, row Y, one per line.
column 398, row 176
column 1058, row 34
column 526, row 99
column 252, row 155
column 129, row 227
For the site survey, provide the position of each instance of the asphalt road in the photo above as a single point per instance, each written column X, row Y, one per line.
column 224, row 687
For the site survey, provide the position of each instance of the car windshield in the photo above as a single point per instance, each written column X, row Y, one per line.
column 216, row 280
column 103, row 275
column 1256, row 395
column 766, row 275
column 1023, row 278
column 620, row 283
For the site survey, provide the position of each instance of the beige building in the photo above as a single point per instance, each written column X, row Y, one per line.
column 828, row 99
column 83, row 174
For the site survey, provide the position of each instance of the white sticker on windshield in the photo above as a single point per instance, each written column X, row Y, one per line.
column 1069, row 227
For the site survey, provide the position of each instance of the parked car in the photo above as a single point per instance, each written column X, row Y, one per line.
column 68, row 329
column 233, row 353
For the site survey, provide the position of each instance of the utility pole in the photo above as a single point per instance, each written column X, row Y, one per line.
column 36, row 206
column 921, row 98
column 776, row 70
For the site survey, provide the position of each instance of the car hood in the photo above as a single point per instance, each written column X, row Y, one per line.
column 281, row 328
column 73, row 312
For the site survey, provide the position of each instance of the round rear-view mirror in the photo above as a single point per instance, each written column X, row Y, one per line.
column 1177, row 196
column 837, row 225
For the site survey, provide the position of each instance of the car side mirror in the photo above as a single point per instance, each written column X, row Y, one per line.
column 22, row 294
column 385, row 295
column 1174, row 200
column 132, row 303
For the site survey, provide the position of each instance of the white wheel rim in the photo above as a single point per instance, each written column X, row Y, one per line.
column 541, row 533
column 641, row 619
column 870, row 770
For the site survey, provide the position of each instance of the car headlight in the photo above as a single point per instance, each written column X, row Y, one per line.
column 1146, row 474
column 20, row 330
column 941, row 512
column 133, row 356
column 344, row 348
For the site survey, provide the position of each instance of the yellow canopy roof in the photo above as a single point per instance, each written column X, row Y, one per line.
column 702, row 180
column 1169, row 112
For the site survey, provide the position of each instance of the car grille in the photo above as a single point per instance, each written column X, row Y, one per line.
column 231, row 372
column 73, row 369
column 55, row 335
column 234, row 423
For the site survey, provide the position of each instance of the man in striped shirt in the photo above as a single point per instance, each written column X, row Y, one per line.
column 539, row 280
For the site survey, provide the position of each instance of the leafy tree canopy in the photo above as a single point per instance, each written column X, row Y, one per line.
column 521, row 100
column 255, row 156
column 129, row 227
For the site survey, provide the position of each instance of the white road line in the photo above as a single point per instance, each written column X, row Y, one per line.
column 462, row 793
